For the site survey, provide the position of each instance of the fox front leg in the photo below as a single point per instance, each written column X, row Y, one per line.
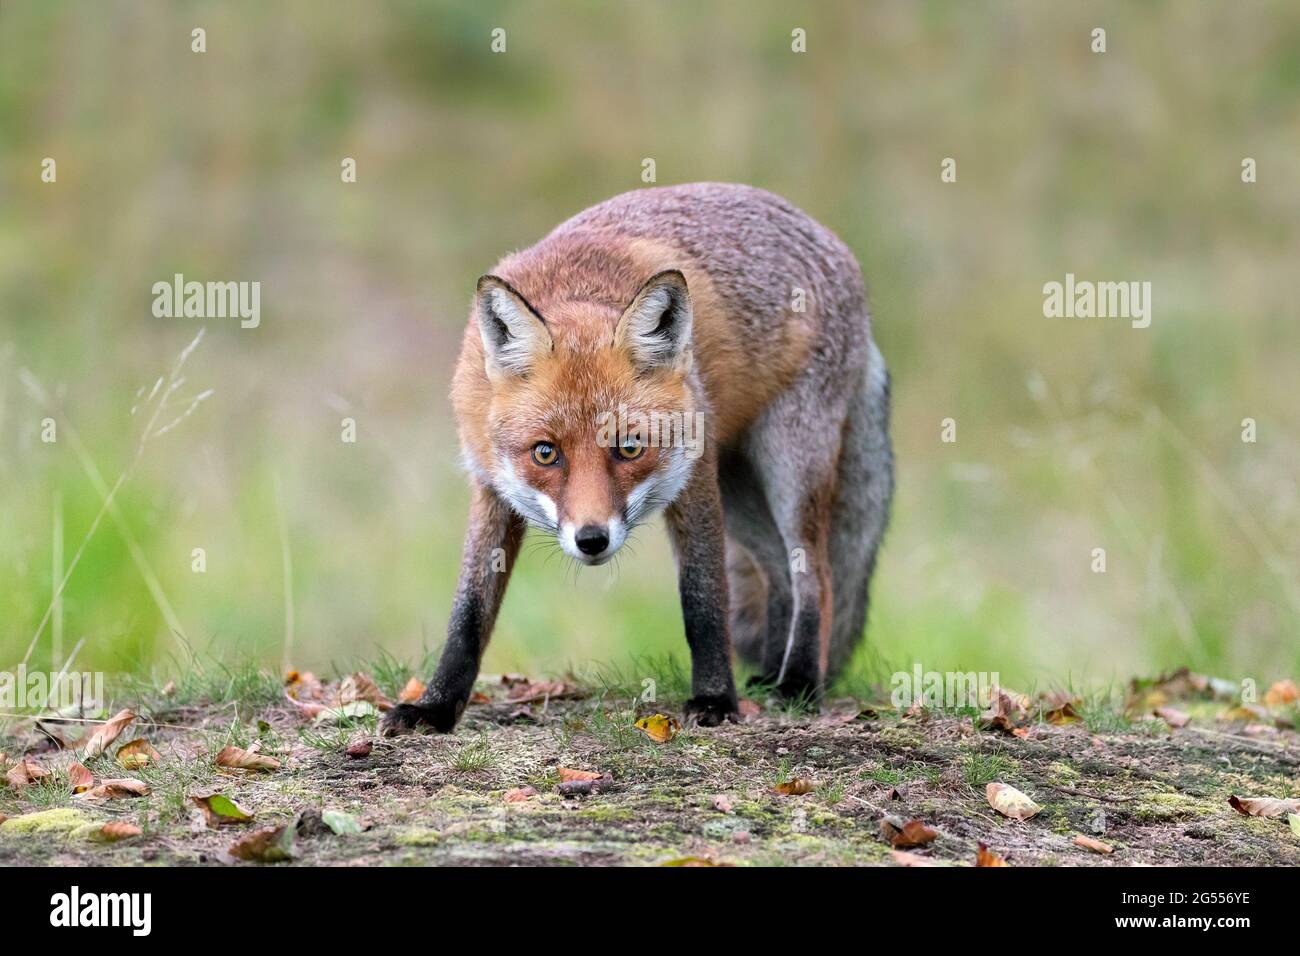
column 491, row 546
column 695, row 526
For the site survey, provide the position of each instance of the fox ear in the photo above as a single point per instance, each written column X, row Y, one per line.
column 512, row 331
column 656, row 327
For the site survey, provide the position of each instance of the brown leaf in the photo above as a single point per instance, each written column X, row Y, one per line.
column 478, row 697
column 136, row 754
column 116, row 830
column 116, row 789
column 523, row 693
column 795, row 787
column 25, row 773
column 749, row 708
column 239, row 759
column 1010, row 802
column 1005, row 712
column 360, row 749
column 519, row 794
column 1281, row 694
column 411, row 692
column 1263, row 806
column 986, row 857
column 106, row 733
column 567, row 775
column 1096, row 846
column 1173, row 716
column 80, row 778
column 303, row 687
column 272, row 845
column 904, row 836
column 723, row 804
column 360, row 687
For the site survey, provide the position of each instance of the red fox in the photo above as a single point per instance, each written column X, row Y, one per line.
column 707, row 303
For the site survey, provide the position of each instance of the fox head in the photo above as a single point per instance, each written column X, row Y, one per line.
column 591, row 424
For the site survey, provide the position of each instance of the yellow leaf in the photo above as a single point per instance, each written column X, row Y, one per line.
column 660, row 728
column 1010, row 802
column 136, row 754
column 1282, row 693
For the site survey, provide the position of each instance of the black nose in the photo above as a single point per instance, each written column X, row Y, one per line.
column 591, row 539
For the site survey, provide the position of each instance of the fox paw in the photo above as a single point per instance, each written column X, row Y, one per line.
column 409, row 718
column 710, row 710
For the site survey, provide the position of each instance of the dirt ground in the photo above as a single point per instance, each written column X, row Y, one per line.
column 491, row 794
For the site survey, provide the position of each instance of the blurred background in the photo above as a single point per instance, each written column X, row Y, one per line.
column 1071, row 434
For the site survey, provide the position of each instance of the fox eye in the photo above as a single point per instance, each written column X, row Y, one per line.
column 545, row 454
column 631, row 449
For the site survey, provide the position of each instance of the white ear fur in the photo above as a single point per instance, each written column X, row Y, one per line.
column 656, row 327
column 513, row 333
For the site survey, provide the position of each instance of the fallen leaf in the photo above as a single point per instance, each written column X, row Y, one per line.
column 722, row 804
column 341, row 823
column 522, row 693
column 795, row 786
column 219, row 810
column 1172, row 716
column 136, row 754
column 116, row 830
column 356, row 688
column 904, row 858
column 273, row 845
column 1005, row 712
column 986, row 857
column 478, row 697
column 1291, row 818
column 567, row 775
column 1281, row 694
column 25, row 773
column 1010, row 802
column 904, row 836
column 659, row 727
column 238, row 759
column 80, row 778
column 347, row 713
column 1244, row 714
column 1096, row 846
column 106, row 733
column 116, row 789
column 1263, row 806
column 749, row 708
column 411, row 692
column 519, row 794
column 304, row 686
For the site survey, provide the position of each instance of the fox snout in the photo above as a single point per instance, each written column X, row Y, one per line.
column 593, row 542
